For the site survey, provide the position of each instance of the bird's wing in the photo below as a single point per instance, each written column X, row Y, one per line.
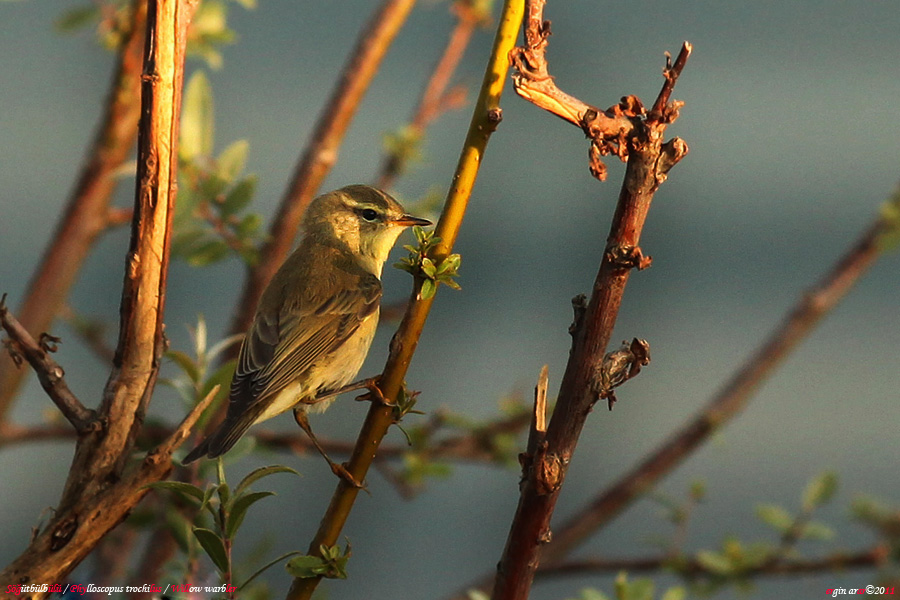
column 279, row 348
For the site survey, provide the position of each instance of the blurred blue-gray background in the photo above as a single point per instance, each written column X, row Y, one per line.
column 791, row 119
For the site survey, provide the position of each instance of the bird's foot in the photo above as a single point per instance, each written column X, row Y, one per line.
column 374, row 394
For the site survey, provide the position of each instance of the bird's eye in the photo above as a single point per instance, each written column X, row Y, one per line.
column 369, row 214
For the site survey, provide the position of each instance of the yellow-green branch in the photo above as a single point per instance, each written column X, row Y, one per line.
column 485, row 118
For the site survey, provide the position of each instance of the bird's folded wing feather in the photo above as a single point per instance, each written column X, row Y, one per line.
column 276, row 354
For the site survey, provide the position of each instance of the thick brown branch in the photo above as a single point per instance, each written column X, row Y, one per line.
column 322, row 151
column 86, row 213
column 100, row 491
column 48, row 371
column 729, row 402
column 544, row 476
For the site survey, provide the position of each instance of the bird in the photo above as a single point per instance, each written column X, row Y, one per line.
column 317, row 317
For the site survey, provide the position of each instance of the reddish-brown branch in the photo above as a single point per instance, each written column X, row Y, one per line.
column 321, row 152
column 99, row 491
column 544, row 471
column 435, row 98
column 48, row 371
column 86, row 213
column 729, row 402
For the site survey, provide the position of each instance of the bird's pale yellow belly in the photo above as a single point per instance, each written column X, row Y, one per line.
column 329, row 373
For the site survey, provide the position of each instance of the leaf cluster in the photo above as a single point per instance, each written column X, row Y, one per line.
column 211, row 222
column 421, row 264
column 227, row 509
column 201, row 373
column 330, row 563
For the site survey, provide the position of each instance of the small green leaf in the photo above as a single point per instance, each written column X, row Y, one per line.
column 305, row 566
column 180, row 528
column 820, row 491
column 208, row 253
column 889, row 237
column 775, row 516
column 186, row 241
column 675, row 593
column 186, row 364
column 213, row 546
column 815, row 530
column 641, row 589
column 76, row 18
column 698, row 491
column 257, row 474
column 239, row 197
column 249, row 225
column 239, row 510
column 185, row 490
column 231, row 161
column 428, row 267
column 477, row 595
column 428, row 289
column 714, row 562
column 224, row 492
column 197, row 124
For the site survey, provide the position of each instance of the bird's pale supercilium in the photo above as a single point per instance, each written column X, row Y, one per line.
column 317, row 317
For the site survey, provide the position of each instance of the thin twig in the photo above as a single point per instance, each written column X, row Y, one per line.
column 86, row 212
column 48, row 370
column 485, row 118
column 435, row 98
column 693, row 569
column 321, row 152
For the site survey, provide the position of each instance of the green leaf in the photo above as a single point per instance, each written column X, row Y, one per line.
column 249, row 225
column 76, row 18
column 305, row 566
column 214, row 547
column 197, row 124
column 775, row 516
column 675, row 593
column 889, row 236
column 477, row 595
column 186, row 241
column 714, row 562
column 239, row 197
column 248, row 4
column 186, row 364
column 208, row 253
column 224, row 492
column 820, row 491
column 428, row 288
column 428, row 267
column 231, row 161
column 815, row 530
column 239, row 510
column 185, row 490
column 641, row 589
column 180, row 528
column 259, row 473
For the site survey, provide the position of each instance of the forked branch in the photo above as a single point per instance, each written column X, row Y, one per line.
column 629, row 132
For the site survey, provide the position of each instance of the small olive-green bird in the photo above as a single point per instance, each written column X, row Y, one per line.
column 317, row 317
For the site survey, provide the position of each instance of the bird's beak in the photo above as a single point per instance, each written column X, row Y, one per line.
column 409, row 221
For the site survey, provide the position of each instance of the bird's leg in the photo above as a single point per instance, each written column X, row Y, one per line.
column 374, row 394
column 338, row 469
column 371, row 384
